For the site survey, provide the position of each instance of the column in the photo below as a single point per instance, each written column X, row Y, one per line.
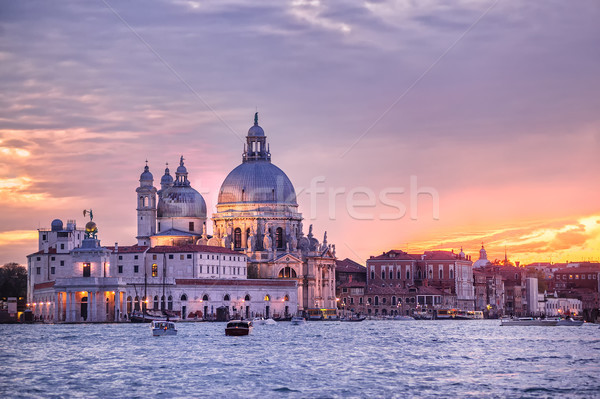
column 74, row 306
column 67, row 306
column 116, row 318
column 56, row 302
column 91, row 313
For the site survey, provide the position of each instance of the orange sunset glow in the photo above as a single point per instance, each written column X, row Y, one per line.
column 498, row 119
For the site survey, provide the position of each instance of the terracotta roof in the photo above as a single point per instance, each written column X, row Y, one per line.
column 193, row 248
column 577, row 270
column 39, row 286
column 395, row 254
column 51, row 250
column 129, row 249
column 349, row 266
column 353, row 284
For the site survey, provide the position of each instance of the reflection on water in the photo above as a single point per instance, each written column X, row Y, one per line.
column 325, row 359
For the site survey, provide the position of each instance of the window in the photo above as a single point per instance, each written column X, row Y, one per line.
column 181, row 257
column 287, row 272
column 62, row 246
column 376, row 300
column 53, row 258
column 391, row 275
column 136, row 268
column 451, row 273
column 226, row 297
column 583, row 276
column 191, row 226
column 200, row 256
column 351, row 301
column 62, row 262
column 577, row 277
column 154, row 257
column 383, row 274
column 393, row 300
column 368, row 301
column 183, row 297
column 237, row 238
column 86, row 270
column 120, row 257
column 155, row 271
column 189, row 256
column 205, row 297
column 44, row 237
column 38, row 258
column 170, row 303
column 135, row 257
column 384, row 300
column 344, row 290
column 247, row 298
column 52, row 270
column 372, row 275
column 158, row 226
column 155, row 302
column 399, row 300
column 407, row 275
column 441, row 274
column 170, row 256
column 120, row 268
column 399, row 274
column 360, row 300
column 279, row 238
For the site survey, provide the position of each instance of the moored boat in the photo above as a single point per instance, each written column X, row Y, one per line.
column 163, row 327
column 354, row 319
column 528, row 321
column 569, row 322
column 403, row 318
column 238, row 327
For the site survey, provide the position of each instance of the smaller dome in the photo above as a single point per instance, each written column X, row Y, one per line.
column 255, row 131
column 146, row 175
column 90, row 227
column 57, row 225
column 167, row 178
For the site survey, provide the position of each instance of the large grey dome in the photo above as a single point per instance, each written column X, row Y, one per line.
column 257, row 181
column 181, row 201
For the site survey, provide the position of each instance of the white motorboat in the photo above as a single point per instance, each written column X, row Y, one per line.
column 403, row 318
column 163, row 327
column 569, row 322
column 528, row 321
column 297, row 320
column 270, row 322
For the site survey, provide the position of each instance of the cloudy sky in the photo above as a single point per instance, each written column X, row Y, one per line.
column 491, row 106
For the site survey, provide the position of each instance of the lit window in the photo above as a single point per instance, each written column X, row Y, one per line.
column 154, row 270
column 181, row 257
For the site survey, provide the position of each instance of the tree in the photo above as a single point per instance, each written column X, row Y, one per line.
column 13, row 280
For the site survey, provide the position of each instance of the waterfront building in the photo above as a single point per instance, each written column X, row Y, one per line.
column 257, row 262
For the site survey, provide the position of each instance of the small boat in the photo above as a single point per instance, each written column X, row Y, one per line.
column 528, row 321
column 569, row 322
column 403, row 318
column 270, row 322
column 238, row 327
column 163, row 327
column 258, row 321
column 297, row 320
column 354, row 319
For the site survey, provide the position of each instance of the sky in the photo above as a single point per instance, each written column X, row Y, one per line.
column 413, row 125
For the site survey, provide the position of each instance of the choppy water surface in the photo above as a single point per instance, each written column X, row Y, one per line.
column 319, row 359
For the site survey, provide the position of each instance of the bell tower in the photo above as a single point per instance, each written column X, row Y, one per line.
column 146, row 207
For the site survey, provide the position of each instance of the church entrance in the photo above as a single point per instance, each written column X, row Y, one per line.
column 84, row 308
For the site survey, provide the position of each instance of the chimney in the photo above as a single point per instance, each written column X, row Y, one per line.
column 116, row 247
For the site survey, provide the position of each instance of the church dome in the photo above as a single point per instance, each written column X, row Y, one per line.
column 146, row 177
column 256, row 131
column 257, row 181
column 57, row 225
column 167, row 178
column 181, row 201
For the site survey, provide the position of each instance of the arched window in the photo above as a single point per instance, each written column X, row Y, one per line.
column 267, row 297
column 393, row 300
column 170, row 303
column 279, row 238
column 155, row 302
column 368, row 301
column 391, row 274
column 287, row 272
column 419, row 274
column 372, row 275
column 183, row 297
column 141, row 201
column 451, row 273
column 247, row 298
column 383, row 300
column 441, row 274
column 376, row 300
column 430, row 273
column 129, row 304
column 163, row 304
column 399, row 275
column 226, row 297
column 286, row 298
column 399, row 300
column 407, row 275
column 383, row 274
column 205, row 297
column 136, row 304
column 237, row 238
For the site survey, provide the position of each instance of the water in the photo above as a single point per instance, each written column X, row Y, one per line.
column 446, row 359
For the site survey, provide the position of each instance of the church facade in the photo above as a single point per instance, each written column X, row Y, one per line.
column 258, row 262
